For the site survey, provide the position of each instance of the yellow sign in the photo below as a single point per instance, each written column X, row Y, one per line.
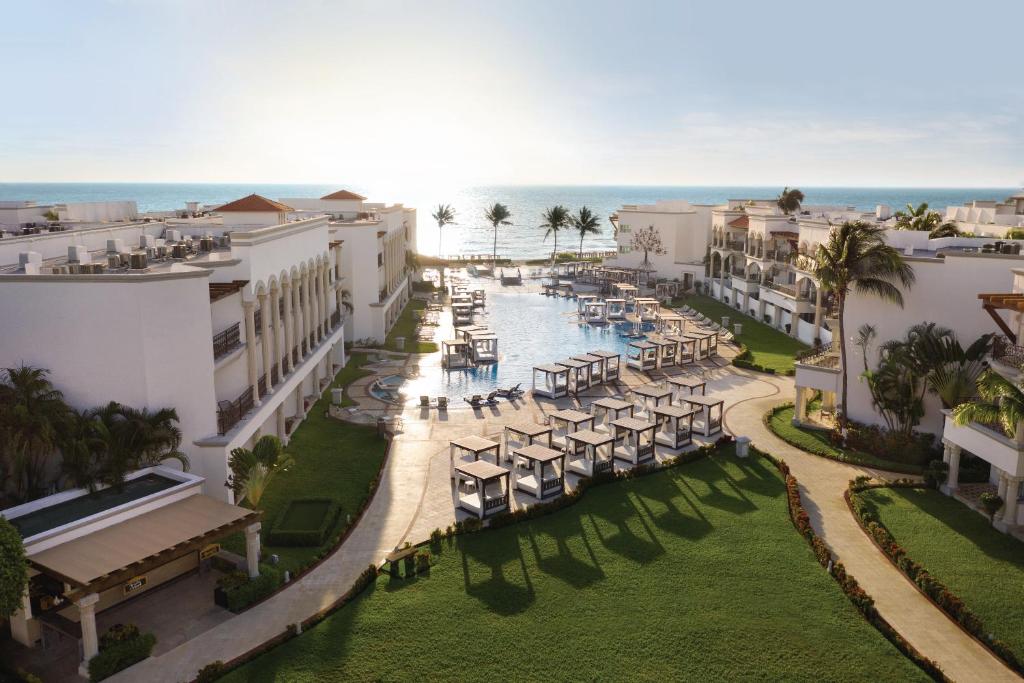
column 209, row 551
column 136, row 584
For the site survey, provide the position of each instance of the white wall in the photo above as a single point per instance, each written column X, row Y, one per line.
column 685, row 232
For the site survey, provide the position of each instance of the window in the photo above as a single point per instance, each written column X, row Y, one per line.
column 624, row 228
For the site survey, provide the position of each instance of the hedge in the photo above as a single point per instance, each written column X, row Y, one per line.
column 244, row 594
column 279, row 536
column 935, row 590
column 119, row 655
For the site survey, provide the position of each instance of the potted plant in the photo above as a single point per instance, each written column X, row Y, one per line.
column 991, row 503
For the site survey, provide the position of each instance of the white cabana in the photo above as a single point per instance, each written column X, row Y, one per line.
column 709, row 418
column 666, row 350
column 611, row 364
column 479, row 298
column 522, row 435
column 625, row 291
column 462, row 313
column 675, row 426
column 608, row 410
column 670, row 322
column 634, row 440
column 685, row 348
column 596, row 370
column 482, row 488
column 647, row 308
column 470, row 449
column 581, row 302
column 596, row 312
column 589, row 452
column 540, row 471
column 567, row 421
column 648, row 396
column 579, row 374
column 642, row 355
column 616, row 309
column 685, row 385
column 701, row 344
column 464, row 331
column 667, row 290
column 483, row 346
column 455, row 354
column 553, row 380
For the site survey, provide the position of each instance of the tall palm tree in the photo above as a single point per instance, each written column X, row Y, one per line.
column 923, row 219
column 1000, row 401
column 134, row 438
column 790, row 200
column 856, row 259
column 252, row 470
column 496, row 215
column 585, row 222
column 32, row 413
column 444, row 215
column 81, row 450
column 555, row 218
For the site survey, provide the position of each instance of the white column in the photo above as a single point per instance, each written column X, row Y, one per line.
column 252, row 549
column 1010, row 504
column 21, row 622
column 265, row 343
column 794, row 323
column 314, row 286
column 800, row 406
column 289, row 326
column 326, row 279
column 87, row 619
column 275, row 311
column 817, row 312
column 279, row 415
column 250, row 346
column 953, row 480
column 1001, row 488
column 297, row 309
column 305, row 312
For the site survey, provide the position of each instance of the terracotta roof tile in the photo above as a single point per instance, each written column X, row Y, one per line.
column 254, row 203
column 741, row 222
column 344, row 194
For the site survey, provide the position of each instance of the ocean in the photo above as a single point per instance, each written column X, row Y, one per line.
column 472, row 234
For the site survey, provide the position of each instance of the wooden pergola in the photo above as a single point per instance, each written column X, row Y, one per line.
column 521, row 435
column 554, row 382
column 710, row 409
column 647, row 397
column 670, row 322
column 546, row 467
column 642, row 355
column 679, row 384
column 666, row 350
column 607, row 410
column 1003, row 302
column 579, row 374
column 567, row 421
column 590, row 452
column 471, row 446
column 634, row 440
column 615, row 309
column 596, row 312
column 455, row 354
column 647, row 308
column 610, row 373
column 675, row 426
column 482, row 488
column 596, row 370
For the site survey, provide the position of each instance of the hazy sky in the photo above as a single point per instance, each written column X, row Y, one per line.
column 374, row 93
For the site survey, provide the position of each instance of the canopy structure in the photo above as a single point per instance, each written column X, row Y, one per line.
column 595, row 371
column 607, row 410
column 595, row 312
column 455, row 354
column 483, row 346
column 647, row 396
column 479, row 297
column 666, row 350
column 615, row 309
column 611, row 364
column 464, row 332
column 554, row 380
column 675, row 426
column 582, row 300
column 567, row 421
column 482, row 488
column 670, row 322
column 686, row 385
column 667, row 290
column 625, row 291
column 647, row 308
column 590, row 452
column 470, row 449
column 642, row 355
column 685, row 348
column 579, row 374
column 702, row 343
column 518, row 436
column 462, row 313
column 634, row 440
column 711, row 410
column 540, row 471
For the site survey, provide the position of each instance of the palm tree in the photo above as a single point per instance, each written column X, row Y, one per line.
column 133, row 438
column 81, row 449
column 1000, row 401
column 32, row 413
column 856, row 258
column 444, row 215
column 919, row 218
column 790, row 200
column 496, row 215
column 946, row 229
column 253, row 470
column 585, row 222
column 555, row 218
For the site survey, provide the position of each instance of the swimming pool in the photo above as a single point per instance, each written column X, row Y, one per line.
column 532, row 330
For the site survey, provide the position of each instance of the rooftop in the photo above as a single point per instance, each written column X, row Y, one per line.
column 254, row 203
column 344, row 194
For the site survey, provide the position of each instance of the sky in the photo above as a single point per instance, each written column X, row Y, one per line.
column 552, row 92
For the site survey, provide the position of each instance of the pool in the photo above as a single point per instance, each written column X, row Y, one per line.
column 532, row 330
column 389, row 389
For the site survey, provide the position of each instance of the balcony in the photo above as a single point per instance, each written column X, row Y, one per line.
column 988, row 442
column 785, row 290
column 822, row 357
column 230, row 413
column 226, row 341
column 1007, row 358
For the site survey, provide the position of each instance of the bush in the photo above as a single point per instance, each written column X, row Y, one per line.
column 423, row 286
column 422, row 561
column 916, row 449
column 211, row 672
column 935, row 474
column 991, row 502
column 281, row 535
column 119, row 654
column 119, row 633
column 243, row 595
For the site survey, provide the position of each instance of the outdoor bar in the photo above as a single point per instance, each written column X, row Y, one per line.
column 482, row 488
column 607, row 410
column 611, row 364
column 483, row 346
column 590, row 452
column 710, row 409
column 470, row 449
column 634, row 440
column 685, row 385
column 579, row 374
column 554, row 380
column 567, row 421
column 455, row 354
column 596, row 312
column 642, row 355
column 596, row 370
column 675, row 426
column 647, row 397
column 546, row 466
column 522, row 435
column 616, row 309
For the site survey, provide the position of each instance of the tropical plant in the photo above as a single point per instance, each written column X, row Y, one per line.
column 81, row 449
column 252, row 470
column 790, row 200
column 944, row 230
column 444, row 215
column 990, row 503
column 555, row 218
column 32, row 413
column 856, row 258
column 647, row 240
column 999, row 401
column 133, row 438
column 346, row 301
column 13, row 569
column 585, row 222
column 497, row 214
column 921, row 218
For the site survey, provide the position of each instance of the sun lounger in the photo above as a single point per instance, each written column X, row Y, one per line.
column 442, row 403
column 424, row 401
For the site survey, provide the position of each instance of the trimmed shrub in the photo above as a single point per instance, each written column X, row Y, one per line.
column 242, row 595
column 282, row 535
column 211, row 672
column 120, row 652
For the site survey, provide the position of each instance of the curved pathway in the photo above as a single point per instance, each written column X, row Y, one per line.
column 823, row 483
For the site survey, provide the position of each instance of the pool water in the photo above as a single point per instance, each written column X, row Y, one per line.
column 532, row 330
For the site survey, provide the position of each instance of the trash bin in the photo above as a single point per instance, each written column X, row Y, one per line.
column 737, row 329
column 725, row 321
column 400, row 343
column 742, row 446
column 337, row 395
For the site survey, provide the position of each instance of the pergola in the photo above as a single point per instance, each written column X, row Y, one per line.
column 462, row 448
column 685, row 348
column 590, row 452
column 567, row 421
column 567, row 269
column 518, row 436
column 483, row 346
column 701, row 347
column 642, row 355
column 463, row 332
column 579, row 374
column 666, row 350
column 648, row 396
column 710, row 409
column 607, row 410
column 670, row 322
column 666, row 290
column 615, row 309
column 455, row 354
column 1014, row 303
column 554, row 380
column 634, row 440
column 547, row 470
column 479, row 298
column 685, row 383
column 582, row 300
column 611, row 364
column 486, row 492
column 595, row 312
column 675, row 426
column 647, row 308
column 462, row 313
column 625, row 291
column 462, row 297
column 596, row 363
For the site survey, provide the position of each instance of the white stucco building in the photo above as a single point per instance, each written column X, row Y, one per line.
column 685, row 232
column 989, row 218
column 234, row 320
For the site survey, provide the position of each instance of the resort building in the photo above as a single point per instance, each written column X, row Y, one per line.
column 988, row 218
column 684, row 231
column 234, row 320
column 376, row 240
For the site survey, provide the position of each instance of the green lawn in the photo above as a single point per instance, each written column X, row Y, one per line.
column 769, row 347
column 350, row 373
column 405, row 326
column 817, row 442
column 982, row 566
column 333, row 459
column 694, row 573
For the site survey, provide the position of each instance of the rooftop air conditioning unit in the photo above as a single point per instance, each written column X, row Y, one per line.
column 147, row 241
column 138, row 260
column 115, row 246
column 97, row 268
column 77, row 253
column 162, row 251
column 114, row 260
column 178, row 251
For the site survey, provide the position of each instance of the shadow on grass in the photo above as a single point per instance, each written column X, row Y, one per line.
column 565, row 564
column 485, row 561
column 672, row 519
column 618, row 513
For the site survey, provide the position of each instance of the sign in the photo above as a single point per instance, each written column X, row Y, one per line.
column 209, row 551
column 135, row 584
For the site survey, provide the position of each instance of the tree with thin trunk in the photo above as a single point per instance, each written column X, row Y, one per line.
column 790, row 200
column 497, row 214
column 856, row 259
column 32, row 415
column 555, row 218
column 585, row 222
column 444, row 215
column 647, row 240
column 253, row 470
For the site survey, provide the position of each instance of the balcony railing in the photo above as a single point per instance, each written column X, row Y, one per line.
column 227, row 341
column 335, row 319
column 735, row 246
column 1008, row 354
column 782, row 289
column 230, row 413
column 826, row 356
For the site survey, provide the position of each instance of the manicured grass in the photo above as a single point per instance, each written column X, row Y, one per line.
column 350, row 373
column 694, row 573
column 306, row 514
column 959, row 547
column 816, row 441
column 768, row 347
column 405, row 326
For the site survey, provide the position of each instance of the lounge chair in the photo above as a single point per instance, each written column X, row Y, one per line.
column 511, row 392
column 442, row 403
column 424, row 401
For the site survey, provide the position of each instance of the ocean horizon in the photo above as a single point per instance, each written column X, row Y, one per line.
column 472, row 234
